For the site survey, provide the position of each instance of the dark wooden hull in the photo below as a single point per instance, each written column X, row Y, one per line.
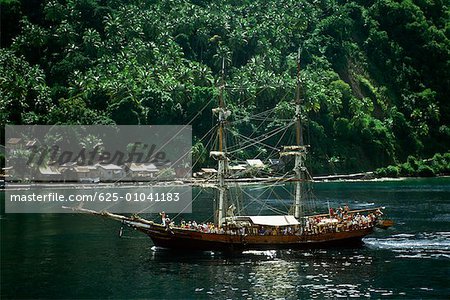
column 190, row 240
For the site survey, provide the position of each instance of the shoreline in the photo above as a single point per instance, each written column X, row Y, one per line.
column 198, row 183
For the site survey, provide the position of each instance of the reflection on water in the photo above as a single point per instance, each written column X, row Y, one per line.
column 77, row 256
column 285, row 274
column 330, row 273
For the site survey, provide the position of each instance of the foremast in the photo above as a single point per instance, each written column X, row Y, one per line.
column 220, row 155
column 299, row 151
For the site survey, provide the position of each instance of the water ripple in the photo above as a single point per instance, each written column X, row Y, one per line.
column 422, row 245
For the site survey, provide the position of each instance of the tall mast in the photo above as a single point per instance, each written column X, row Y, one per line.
column 298, row 102
column 298, row 212
column 299, row 150
column 220, row 155
column 221, row 105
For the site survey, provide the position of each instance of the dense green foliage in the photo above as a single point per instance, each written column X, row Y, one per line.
column 375, row 72
column 436, row 166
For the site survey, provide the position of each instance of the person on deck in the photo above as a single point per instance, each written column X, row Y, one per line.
column 339, row 213
column 346, row 209
column 163, row 218
column 262, row 231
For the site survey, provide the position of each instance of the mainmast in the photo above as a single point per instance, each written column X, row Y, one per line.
column 298, row 211
column 299, row 150
column 220, row 155
column 298, row 102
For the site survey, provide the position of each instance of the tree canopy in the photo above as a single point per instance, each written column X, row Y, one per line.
column 375, row 73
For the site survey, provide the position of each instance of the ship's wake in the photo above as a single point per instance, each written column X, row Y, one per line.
column 421, row 245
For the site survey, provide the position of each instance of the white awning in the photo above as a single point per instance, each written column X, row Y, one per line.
column 269, row 220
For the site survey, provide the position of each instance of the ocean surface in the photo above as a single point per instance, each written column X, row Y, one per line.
column 79, row 256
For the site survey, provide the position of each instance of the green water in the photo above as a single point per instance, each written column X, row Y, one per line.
column 79, row 256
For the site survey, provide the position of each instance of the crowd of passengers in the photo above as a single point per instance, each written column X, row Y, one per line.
column 351, row 221
column 337, row 220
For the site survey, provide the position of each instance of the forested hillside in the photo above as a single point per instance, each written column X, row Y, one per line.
column 375, row 73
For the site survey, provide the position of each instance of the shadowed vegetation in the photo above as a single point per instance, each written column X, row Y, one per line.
column 375, row 74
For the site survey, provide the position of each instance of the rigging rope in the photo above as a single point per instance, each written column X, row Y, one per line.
column 251, row 141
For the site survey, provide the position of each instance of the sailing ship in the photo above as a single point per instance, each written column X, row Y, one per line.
column 230, row 233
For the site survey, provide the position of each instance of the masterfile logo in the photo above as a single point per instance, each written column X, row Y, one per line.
column 67, row 153
column 122, row 169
